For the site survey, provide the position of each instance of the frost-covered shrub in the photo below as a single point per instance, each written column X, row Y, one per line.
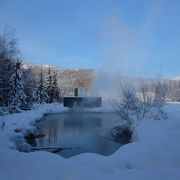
column 4, row 111
column 157, row 111
column 128, row 104
column 132, row 107
column 9, row 110
column 13, row 110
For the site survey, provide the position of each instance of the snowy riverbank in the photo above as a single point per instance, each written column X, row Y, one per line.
column 154, row 155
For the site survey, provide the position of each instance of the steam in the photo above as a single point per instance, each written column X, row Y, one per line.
column 127, row 48
column 106, row 85
column 125, row 52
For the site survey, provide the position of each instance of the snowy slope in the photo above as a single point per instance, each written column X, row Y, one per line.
column 154, row 155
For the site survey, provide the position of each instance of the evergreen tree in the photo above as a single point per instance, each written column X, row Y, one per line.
column 55, row 88
column 8, row 55
column 41, row 91
column 49, row 85
column 16, row 92
column 30, row 86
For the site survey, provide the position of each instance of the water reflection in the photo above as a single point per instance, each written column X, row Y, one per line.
column 79, row 132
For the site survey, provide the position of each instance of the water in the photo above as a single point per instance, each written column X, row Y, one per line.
column 80, row 132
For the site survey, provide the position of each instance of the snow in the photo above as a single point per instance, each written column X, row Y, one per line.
column 155, row 153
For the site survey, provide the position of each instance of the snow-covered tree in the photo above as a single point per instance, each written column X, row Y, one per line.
column 16, row 93
column 30, row 86
column 8, row 55
column 49, row 85
column 41, row 90
column 56, row 96
column 67, row 82
column 52, row 86
column 159, row 100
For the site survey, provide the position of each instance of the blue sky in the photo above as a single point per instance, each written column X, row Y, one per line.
column 132, row 37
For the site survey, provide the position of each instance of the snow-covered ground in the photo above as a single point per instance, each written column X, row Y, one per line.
column 154, row 155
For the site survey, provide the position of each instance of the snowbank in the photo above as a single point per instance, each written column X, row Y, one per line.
column 155, row 155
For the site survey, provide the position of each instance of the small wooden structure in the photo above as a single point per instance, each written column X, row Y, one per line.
column 90, row 102
column 79, row 101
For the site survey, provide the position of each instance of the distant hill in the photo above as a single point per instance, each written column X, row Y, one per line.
column 98, row 83
column 68, row 78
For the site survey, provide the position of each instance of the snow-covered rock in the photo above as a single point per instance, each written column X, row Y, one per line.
column 25, row 148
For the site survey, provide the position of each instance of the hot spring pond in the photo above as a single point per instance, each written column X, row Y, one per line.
column 79, row 132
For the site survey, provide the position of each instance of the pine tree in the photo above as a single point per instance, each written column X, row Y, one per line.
column 8, row 55
column 41, row 91
column 5, row 69
column 49, row 85
column 30, row 87
column 55, row 88
column 16, row 92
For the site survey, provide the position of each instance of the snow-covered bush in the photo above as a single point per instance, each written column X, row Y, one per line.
column 127, row 105
column 132, row 107
column 4, row 111
column 159, row 100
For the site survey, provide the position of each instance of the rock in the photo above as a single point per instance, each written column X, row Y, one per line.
column 25, row 148
column 121, row 134
column 31, row 138
column 125, row 136
column 17, row 130
column 21, row 145
column 18, row 140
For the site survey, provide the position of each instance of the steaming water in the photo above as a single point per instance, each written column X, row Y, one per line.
column 80, row 132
